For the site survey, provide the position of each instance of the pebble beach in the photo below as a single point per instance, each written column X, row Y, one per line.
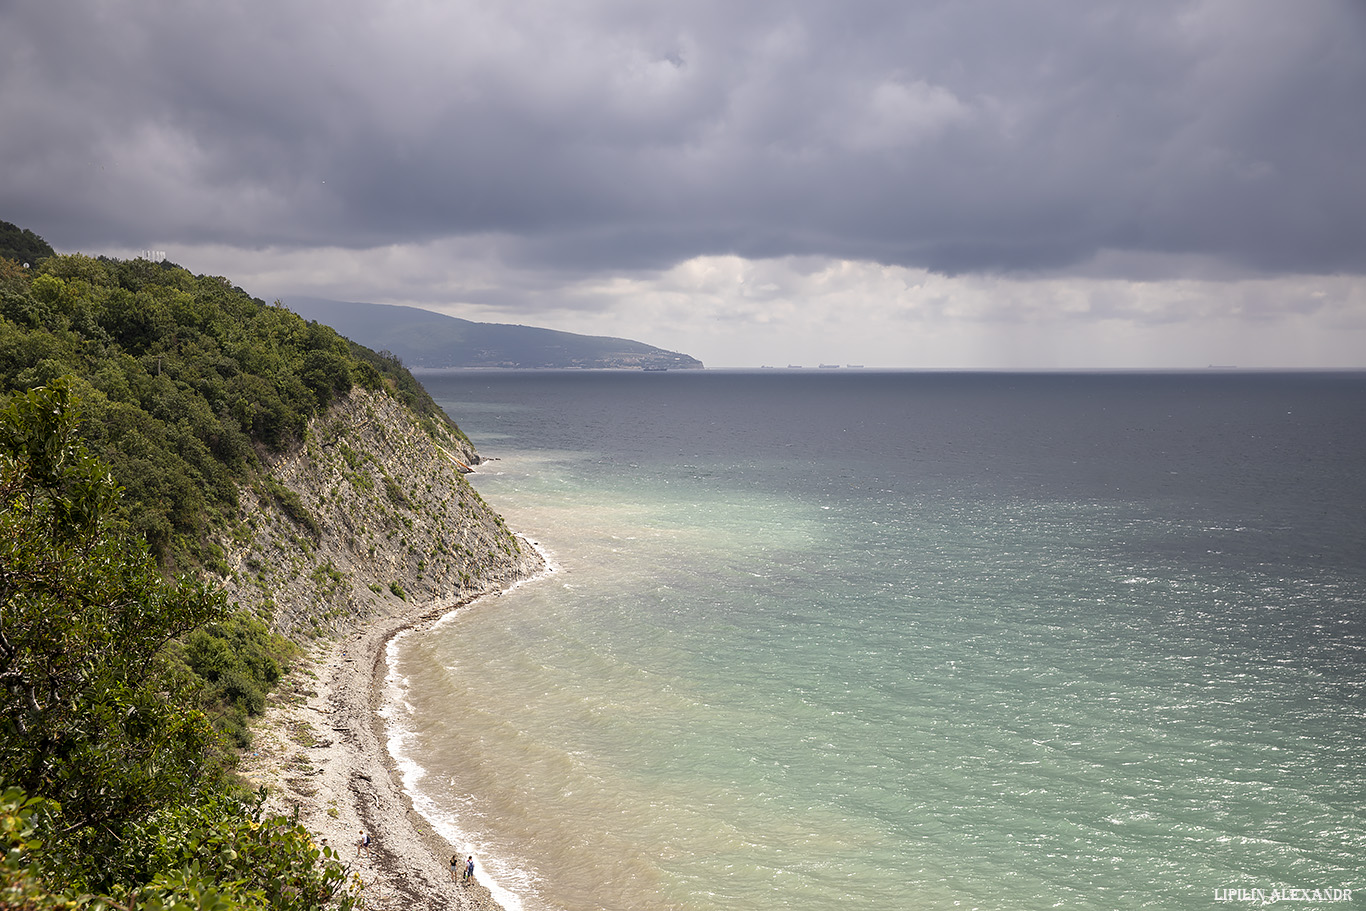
column 319, row 749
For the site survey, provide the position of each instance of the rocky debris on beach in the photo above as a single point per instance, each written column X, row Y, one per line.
column 319, row 750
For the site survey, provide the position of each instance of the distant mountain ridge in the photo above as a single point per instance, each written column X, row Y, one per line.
column 421, row 338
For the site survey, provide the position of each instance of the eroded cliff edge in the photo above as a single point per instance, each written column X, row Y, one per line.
column 365, row 529
column 369, row 516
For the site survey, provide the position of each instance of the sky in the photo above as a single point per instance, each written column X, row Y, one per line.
column 952, row 184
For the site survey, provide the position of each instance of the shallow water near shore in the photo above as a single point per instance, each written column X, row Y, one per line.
column 909, row 640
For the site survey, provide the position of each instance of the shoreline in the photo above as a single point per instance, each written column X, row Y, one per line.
column 321, row 750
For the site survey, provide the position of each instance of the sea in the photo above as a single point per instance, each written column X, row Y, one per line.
column 907, row 640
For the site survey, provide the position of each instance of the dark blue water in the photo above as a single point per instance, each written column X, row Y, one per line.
column 860, row 639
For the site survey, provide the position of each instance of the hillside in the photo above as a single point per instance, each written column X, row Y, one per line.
column 192, row 475
column 22, row 245
column 421, row 338
column 312, row 479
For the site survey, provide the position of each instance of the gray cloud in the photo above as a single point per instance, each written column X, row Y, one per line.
column 957, row 136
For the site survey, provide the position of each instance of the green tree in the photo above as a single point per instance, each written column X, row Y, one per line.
column 219, row 854
column 22, row 244
column 132, row 799
column 83, row 615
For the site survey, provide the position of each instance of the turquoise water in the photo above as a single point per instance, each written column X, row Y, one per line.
column 905, row 640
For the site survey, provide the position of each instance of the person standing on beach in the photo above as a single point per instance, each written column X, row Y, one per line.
column 363, row 844
column 455, row 867
column 469, row 869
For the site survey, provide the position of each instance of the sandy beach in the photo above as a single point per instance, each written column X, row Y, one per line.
column 320, row 751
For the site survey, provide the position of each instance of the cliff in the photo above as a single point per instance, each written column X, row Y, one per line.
column 365, row 529
column 368, row 516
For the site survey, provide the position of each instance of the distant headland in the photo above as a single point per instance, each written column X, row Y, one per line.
column 421, row 338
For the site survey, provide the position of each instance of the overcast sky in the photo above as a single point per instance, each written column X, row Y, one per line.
column 1165, row 183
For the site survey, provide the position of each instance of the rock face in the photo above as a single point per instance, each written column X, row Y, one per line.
column 368, row 516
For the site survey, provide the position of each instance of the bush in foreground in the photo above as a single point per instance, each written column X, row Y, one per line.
column 113, row 787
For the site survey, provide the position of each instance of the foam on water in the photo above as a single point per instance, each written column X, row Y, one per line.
column 500, row 875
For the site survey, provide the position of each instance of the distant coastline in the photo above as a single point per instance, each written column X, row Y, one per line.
column 426, row 339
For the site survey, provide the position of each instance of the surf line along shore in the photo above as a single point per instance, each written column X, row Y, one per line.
column 321, row 751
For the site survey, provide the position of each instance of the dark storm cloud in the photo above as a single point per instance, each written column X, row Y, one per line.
column 960, row 136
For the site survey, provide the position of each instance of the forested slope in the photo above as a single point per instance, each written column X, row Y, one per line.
column 187, row 382
column 188, row 472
